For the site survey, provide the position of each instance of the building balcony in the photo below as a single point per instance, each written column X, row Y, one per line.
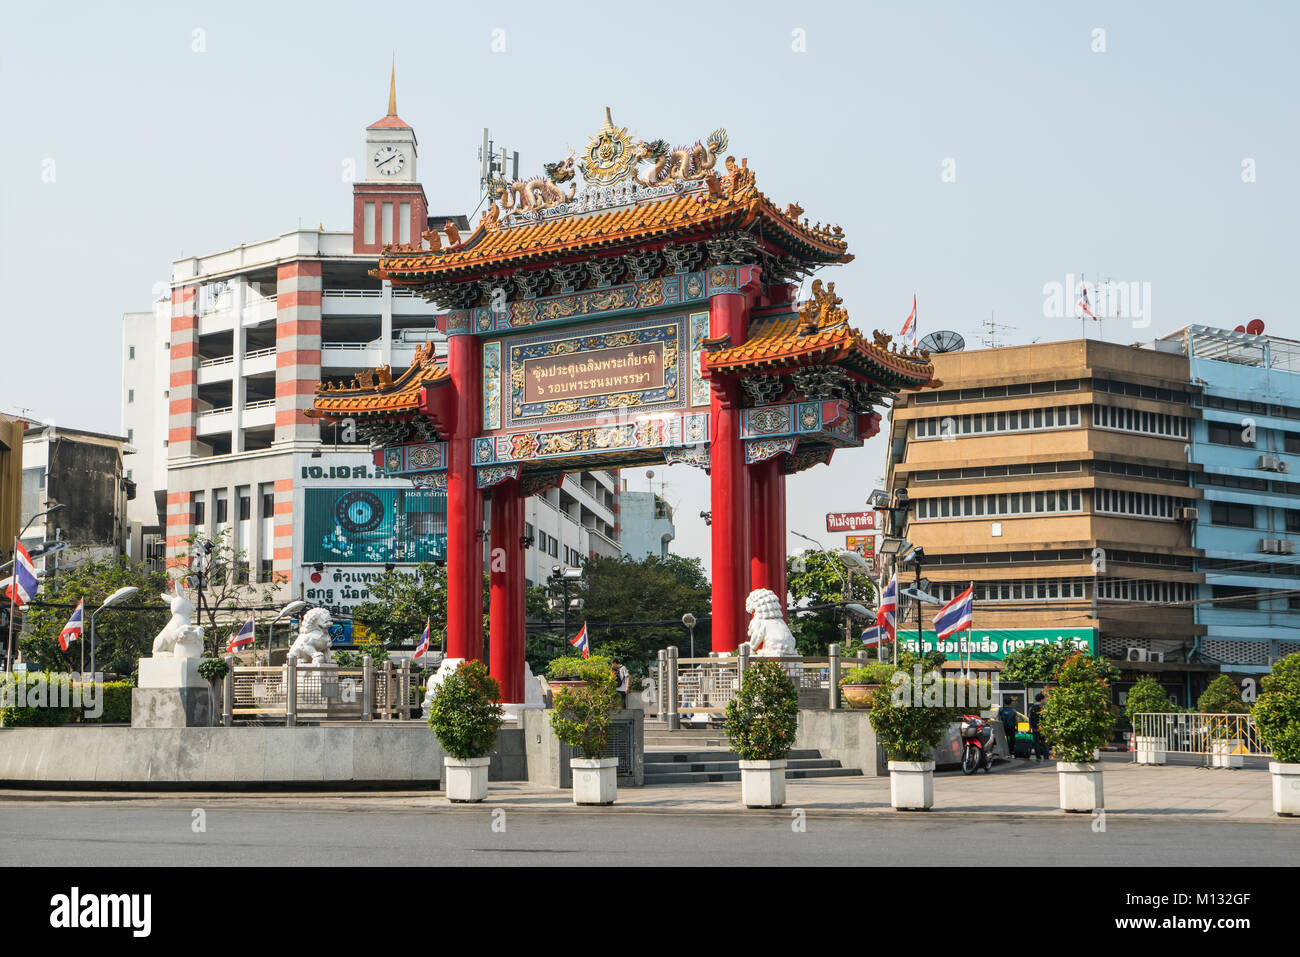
column 220, row 316
column 222, row 368
column 352, row 355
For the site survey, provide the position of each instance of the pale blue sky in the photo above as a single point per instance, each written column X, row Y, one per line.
column 1125, row 163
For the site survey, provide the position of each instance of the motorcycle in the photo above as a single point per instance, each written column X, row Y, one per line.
column 977, row 744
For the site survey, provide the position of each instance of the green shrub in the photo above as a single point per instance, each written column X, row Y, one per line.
column 1277, row 711
column 577, row 668
column 1148, row 696
column 40, row 693
column 1077, row 717
column 116, row 705
column 214, row 670
column 874, row 674
column 908, row 732
column 582, row 715
column 465, row 713
column 1221, row 696
column 763, row 717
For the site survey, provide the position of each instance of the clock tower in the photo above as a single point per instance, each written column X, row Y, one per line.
column 388, row 204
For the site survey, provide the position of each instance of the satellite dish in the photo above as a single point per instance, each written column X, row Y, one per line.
column 1255, row 327
column 945, row 340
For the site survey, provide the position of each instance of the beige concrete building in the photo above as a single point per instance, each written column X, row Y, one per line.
column 1055, row 477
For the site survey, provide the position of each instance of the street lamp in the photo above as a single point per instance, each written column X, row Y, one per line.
column 916, row 558
column 689, row 621
column 13, row 587
column 292, row 608
column 113, row 599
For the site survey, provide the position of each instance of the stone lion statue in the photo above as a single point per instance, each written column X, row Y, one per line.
column 179, row 638
column 312, row 646
column 769, row 636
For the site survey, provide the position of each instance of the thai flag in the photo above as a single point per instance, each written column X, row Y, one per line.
column 874, row 636
column 423, row 646
column 72, row 630
column 957, row 615
column 888, row 607
column 909, row 326
column 580, row 642
column 244, row 638
column 24, row 585
column 1083, row 302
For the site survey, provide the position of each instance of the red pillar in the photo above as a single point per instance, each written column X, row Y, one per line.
column 506, row 591
column 767, row 527
column 464, row 503
column 729, row 485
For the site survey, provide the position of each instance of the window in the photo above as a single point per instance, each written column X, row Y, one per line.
column 1228, row 596
column 1131, row 420
column 1013, row 503
column 1292, row 520
column 265, row 572
column 554, row 547
column 1223, row 434
column 1291, row 442
column 245, row 507
column 369, row 226
column 1230, row 513
column 199, row 513
column 1018, row 420
column 221, row 511
column 404, row 223
column 130, row 435
column 130, row 395
column 268, row 504
column 130, row 352
column 386, row 223
column 1140, row 504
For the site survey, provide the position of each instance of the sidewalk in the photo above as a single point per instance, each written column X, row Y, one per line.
column 1019, row 790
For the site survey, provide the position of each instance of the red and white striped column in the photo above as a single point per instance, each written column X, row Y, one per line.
column 183, row 403
column 297, row 345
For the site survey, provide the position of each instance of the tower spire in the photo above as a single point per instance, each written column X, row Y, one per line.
column 392, row 90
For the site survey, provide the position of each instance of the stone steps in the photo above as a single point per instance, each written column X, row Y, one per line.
column 681, row 766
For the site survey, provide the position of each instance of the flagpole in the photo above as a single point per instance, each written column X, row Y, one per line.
column 13, row 593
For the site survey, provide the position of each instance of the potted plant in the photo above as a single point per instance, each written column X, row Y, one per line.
column 213, row 671
column 465, row 714
column 910, row 730
column 581, row 720
column 567, row 670
column 1277, row 716
column 761, row 722
column 1220, row 699
column 857, row 684
column 1148, row 696
column 1076, row 721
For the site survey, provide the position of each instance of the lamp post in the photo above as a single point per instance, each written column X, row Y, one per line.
column 559, row 580
column 916, row 558
column 292, row 608
column 111, row 600
column 689, row 621
column 13, row 586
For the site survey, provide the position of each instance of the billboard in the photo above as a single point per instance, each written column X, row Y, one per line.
column 864, row 545
column 994, row 644
column 850, row 521
column 374, row 526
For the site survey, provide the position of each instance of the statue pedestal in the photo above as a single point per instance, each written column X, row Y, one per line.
column 170, row 694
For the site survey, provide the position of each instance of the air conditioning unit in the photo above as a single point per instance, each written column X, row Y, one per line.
column 1188, row 514
column 1155, row 656
column 1285, row 547
column 1271, row 463
column 1270, row 546
column 1137, row 654
column 1283, row 465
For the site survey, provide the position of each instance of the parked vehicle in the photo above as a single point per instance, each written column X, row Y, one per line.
column 977, row 744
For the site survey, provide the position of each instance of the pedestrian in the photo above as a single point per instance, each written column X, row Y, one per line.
column 1035, row 715
column 621, row 681
column 1010, row 719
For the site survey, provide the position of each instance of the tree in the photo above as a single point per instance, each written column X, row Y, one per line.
column 122, row 636
column 1038, row 664
column 228, row 594
column 1221, row 696
column 654, row 590
column 818, row 578
column 400, row 604
column 1077, row 717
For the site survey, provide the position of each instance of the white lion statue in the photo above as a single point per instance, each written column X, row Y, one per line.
column 769, row 636
column 312, row 646
column 179, row 638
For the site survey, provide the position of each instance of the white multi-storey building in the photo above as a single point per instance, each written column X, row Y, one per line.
column 249, row 333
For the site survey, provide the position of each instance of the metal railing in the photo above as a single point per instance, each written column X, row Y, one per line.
column 705, row 685
column 1232, row 736
column 316, row 693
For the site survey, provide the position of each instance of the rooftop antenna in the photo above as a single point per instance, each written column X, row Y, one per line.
column 989, row 339
column 493, row 162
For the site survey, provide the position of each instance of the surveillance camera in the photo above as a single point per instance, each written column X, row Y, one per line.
column 915, row 556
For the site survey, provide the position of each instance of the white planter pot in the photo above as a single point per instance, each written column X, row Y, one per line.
column 1286, row 788
column 1080, row 786
column 1222, row 754
column 465, row 781
column 1150, row 750
column 595, row 780
column 762, row 783
column 911, row 785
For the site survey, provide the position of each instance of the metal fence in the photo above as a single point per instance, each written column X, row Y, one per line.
column 704, row 686
column 294, row 692
column 1225, row 737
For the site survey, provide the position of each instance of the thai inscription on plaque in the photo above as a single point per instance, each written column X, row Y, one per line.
column 595, row 372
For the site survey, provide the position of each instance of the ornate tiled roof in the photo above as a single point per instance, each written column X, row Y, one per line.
column 376, row 392
column 819, row 334
column 680, row 198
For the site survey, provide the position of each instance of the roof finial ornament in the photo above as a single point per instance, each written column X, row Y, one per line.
column 392, row 89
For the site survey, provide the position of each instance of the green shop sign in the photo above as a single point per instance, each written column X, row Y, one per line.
column 994, row 644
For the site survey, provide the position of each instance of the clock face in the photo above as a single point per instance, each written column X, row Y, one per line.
column 359, row 511
column 389, row 160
